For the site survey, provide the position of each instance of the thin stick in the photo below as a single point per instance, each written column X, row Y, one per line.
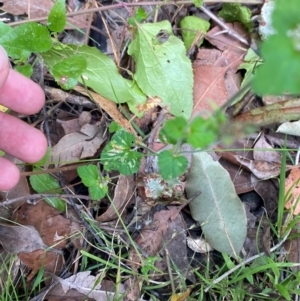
column 119, row 5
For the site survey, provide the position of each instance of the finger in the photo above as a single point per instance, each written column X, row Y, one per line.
column 4, row 66
column 9, row 174
column 21, row 94
column 21, row 140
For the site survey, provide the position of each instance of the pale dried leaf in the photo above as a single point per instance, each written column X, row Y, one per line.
column 198, row 245
column 264, row 151
column 293, row 198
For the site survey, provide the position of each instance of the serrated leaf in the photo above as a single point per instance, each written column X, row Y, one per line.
column 162, row 68
column 190, row 27
column 21, row 41
column 45, row 183
column 203, row 132
column 218, row 209
column 57, row 16
column 89, row 174
column 170, row 165
column 25, row 70
column 101, row 74
column 67, row 71
column 174, row 130
column 232, row 12
column 119, row 154
column 278, row 62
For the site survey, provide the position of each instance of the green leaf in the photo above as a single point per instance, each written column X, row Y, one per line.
column 203, row 132
column 198, row 3
column 101, row 74
column 139, row 16
column 280, row 72
column 119, row 154
column 170, row 165
column 25, row 70
column 98, row 187
column 45, row 183
column 232, row 12
column 57, row 16
column 113, row 127
column 218, row 209
column 173, row 131
column 26, row 38
column 190, row 27
column 162, row 68
column 68, row 71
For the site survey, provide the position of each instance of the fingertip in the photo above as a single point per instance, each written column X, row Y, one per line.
column 4, row 66
column 38, row 148
column 9, row 175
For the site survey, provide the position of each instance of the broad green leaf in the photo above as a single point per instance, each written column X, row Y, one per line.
column 280, row 73
column 174, row 130
column 139, row 16
column 26, row 38
column 162, row 68
column 198, row 3
column 190, row 27
column 25, row 70
column 98, row 187
column 170, row 165
column 45, row 183
column 4, row 29
column 232, row 12
column 57, row 16
column 67, row 71
column 203, row 132
column 120, row 155
column 89, row 174
column 217, row 209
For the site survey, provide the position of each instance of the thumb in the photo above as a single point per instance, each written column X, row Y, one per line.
column 4, row 66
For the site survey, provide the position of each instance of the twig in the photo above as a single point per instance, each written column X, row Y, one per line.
column 245, row 262
column 43, row 196
column 119, row 5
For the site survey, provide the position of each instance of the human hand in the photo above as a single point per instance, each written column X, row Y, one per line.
column 18, row 138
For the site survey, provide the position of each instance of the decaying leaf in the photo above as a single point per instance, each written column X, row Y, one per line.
column 198, row 245
column 122, row 197
column 264, row 151
column 292, row 190
column 218, row 209
column 75, row 146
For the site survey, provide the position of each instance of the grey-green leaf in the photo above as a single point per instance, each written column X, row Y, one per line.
column 162, row 68
column 218, row 209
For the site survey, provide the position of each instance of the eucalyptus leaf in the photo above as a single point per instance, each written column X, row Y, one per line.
column 218, row 209
column 162, row 68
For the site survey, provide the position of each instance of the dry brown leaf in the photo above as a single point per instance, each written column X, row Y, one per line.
column 17, row 239
column 293, row 198
column 123, row 194
column 109, row 107
column 261, row 169
column 38, row 259
column 38, row 9
column 75, row 146
column 264, row 151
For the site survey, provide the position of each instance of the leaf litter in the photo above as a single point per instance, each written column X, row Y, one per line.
column 147, row 215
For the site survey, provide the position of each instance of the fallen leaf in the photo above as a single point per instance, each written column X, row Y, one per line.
column 198, row 245
column 264, row 151
column 17, row 239
column 292, row 189
column 217, row 209
column 75, row 146
column 122, row 197
column 38, row 9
